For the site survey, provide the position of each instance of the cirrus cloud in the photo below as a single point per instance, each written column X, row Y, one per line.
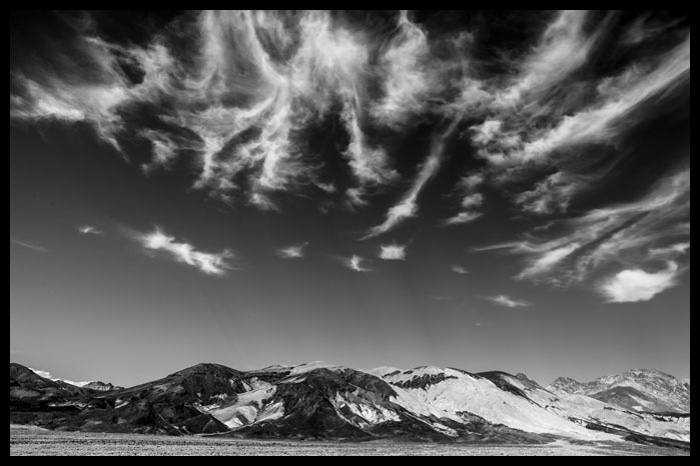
column 507, row 301
column 208, row 263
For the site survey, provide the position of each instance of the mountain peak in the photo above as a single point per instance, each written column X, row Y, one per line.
column 636, row 389
column 205, row 368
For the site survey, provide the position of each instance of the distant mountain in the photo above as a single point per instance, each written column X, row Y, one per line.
column 101, row 386
column 25, row 384
column 643, row 390
column 323, row 401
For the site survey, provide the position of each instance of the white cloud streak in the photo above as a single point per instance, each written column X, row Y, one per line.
column 505, row 300
column 407, row 207
column 90, row 230
column 677, row 249
column 462, row 218
column 24, row 244
column 209, row 263
column 635, row 285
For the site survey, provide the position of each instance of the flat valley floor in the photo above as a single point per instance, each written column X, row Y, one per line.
column 35, row 441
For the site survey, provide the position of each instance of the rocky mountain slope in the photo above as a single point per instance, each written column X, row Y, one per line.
column 642, row 390
column 101, row 386
column 325, row 401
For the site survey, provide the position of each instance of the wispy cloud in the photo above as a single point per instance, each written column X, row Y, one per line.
column 459, row 269
column 409, row 77
column 242, row 91
column 547, row 260
column 564, row 47
column 296, row 251
column 505, row 300
column 240, row 95
column 462, row 218
column 209, row 263
column 551, row 195
column 553, row 108
column 355, row 263
column 646, row 230
column 90, row 230
column 634, row 285
column 407, row 207
column 472, row 200
column 24, row 244
column 677, row 249
column 392, row 252
column 164, row 150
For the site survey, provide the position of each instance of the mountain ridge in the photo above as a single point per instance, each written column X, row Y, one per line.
column 325, row 401
column 644, row 390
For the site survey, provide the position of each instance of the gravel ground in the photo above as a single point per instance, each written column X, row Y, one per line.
column 35, row 441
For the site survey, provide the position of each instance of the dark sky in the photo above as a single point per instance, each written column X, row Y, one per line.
column 482, row 190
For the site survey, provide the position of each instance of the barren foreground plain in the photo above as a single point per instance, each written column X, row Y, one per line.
column 25, row 440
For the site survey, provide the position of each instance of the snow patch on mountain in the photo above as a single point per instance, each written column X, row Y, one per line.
column 372, row 414
column 383, row 370
column 304, row 368
column 458, row 392
column 248, row 408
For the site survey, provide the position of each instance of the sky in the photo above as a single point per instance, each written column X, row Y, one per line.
column 472, row 189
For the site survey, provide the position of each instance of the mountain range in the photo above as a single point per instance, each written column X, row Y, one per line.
column 639, row 390
column 323, row 401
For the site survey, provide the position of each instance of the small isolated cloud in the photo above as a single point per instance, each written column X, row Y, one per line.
column 33, row 247
column 634, row 285
column 393, row 252
column 208, row 263
column 471, row 182
column 355, row 263
column 90, row 230
column 505, row 300
column 477, row 324
column 293, row 252
column 463, row 217
column 459, row 269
